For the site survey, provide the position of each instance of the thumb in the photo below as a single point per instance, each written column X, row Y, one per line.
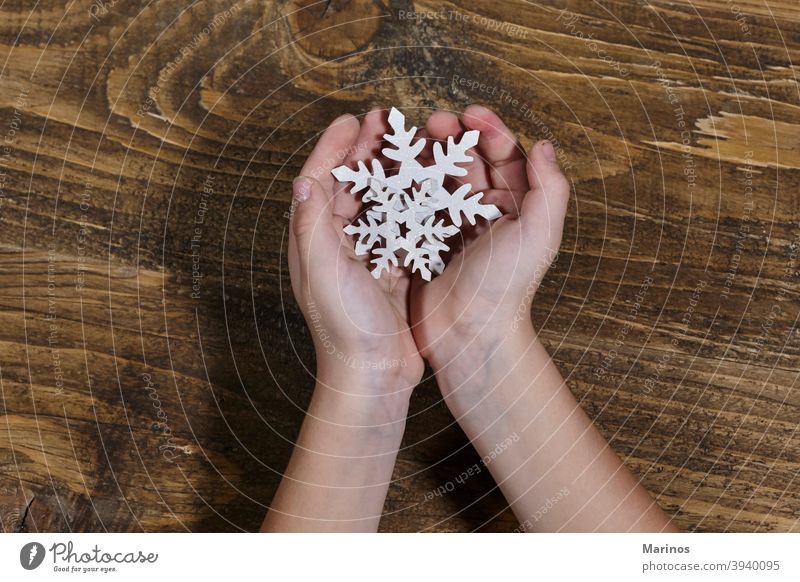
column 545, row 205
column 312, row 223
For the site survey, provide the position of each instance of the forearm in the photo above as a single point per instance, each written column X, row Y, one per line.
column 342, row 463
column 554, row 467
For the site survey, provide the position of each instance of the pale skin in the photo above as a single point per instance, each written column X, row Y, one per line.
column 472, row 325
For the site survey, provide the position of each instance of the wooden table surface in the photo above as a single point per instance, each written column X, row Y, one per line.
column 154, row 365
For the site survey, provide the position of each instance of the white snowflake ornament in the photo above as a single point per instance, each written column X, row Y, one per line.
column 402, row 221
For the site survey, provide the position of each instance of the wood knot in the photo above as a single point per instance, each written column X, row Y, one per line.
column 335, row 28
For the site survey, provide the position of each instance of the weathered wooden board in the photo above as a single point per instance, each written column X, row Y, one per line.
column 147, row 142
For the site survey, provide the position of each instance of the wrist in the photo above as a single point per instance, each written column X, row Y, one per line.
column 464, row 346
column 474, row 371
column 353, row 363
column 478, row 327
column 391, row 359
column 361, row 399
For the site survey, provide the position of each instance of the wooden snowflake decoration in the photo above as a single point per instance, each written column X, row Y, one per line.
column 411, row 213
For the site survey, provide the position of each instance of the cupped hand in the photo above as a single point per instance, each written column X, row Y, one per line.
column 356, row 321
column 486, row 290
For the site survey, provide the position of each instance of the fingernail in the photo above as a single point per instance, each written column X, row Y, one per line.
column 548, row 150
column 302, row 189
column 479, row 109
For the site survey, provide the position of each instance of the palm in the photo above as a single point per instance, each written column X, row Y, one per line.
column 474, row 286
column 374, row 310
column 354, row 302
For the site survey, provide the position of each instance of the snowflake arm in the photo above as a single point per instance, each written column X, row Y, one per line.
column 433, row 230
column 457, row 204
column 369, row 233
column 420, row 262
column 435, row 260
column 456, row 154
column 383, row 261
column 361, row 176
column 403, row 151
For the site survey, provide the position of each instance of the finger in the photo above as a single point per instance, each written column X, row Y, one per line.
column 443, row 124
column 366, row 147
column 330, row 150
column 426, row 155
column 315, row 239
column 507, row 202
column 500, row 149
column 417, row 309
column 545, row 205
column 346, row 244
column 293, row 260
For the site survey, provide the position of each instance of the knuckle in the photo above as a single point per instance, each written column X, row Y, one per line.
column 303, row 224
column 558, row 184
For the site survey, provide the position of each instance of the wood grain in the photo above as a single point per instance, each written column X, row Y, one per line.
column 138, row 134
